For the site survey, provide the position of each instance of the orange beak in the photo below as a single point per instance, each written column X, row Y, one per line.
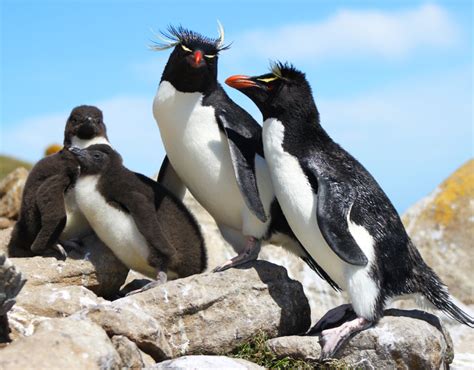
column 240, row 82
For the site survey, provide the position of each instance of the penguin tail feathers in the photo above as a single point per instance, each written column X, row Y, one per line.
column 431, row 287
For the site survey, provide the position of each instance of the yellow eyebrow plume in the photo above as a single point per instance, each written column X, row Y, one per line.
column 268, row 79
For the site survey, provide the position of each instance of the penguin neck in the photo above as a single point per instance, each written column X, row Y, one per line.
column 302, row 122
column 83, row 143
column 189, row 80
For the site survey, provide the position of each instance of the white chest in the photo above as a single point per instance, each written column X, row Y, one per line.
column 297, row 200
column 114, row 227
column 199, row 152
column 82, row 143
column 76, row 224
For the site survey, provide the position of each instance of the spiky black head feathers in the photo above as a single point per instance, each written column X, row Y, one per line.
column 286, row 71
column 179, row 35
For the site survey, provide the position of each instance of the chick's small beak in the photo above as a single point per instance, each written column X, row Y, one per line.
column 240, row 82
column 76, row 151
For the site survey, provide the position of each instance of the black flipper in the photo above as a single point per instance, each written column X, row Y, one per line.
column 170, row 179
column 332, row 220
column 243, row 146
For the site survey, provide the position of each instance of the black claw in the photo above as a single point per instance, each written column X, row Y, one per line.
column 333, row 318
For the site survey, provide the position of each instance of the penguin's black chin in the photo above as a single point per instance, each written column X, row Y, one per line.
column 87, row 131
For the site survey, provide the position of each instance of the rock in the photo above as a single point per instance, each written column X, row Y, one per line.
column 320, row 295
column 94, row 267
column 132, row 357
column 442, row 227
column 56, row 301
column 207, row 362
column 11, row 282
column 402, row 340
column 5, row 236
column 208, row 313
column 5, row 223
column 297, row 347
column 130, row 321
column 22, row 323
column 11, row 190
column 65, row 343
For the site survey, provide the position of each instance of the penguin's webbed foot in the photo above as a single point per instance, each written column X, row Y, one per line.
column 161, row 278
column 250, row 253
column 331, row 340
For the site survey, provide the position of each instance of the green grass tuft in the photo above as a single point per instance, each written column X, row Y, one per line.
column 255, row 350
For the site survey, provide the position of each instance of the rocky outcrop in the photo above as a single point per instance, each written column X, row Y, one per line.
column 94, row 267
column 442, row 227
column 402, row 340
column 11, row 190
column 132, row 357
column 57, row 301
column 209, row 313
column 11, row 282
column 207, row 362
column 67, row 343
column 5, row 236
column 320, row 295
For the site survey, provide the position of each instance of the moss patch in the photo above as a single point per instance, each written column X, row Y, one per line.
column 256, row 351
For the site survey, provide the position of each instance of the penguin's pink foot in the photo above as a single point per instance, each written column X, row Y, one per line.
column 250, row 253
column 331, row 340
column 161, row 278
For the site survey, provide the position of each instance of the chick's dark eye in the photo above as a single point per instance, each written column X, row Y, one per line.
column 96, row 156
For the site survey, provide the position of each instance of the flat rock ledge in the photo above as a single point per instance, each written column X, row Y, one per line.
column 211, row 313
column 402, row 339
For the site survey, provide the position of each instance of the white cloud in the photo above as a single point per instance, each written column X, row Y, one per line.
column 130, row 125
column 389, row 34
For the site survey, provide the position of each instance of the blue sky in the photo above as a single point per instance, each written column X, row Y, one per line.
column 392, row 81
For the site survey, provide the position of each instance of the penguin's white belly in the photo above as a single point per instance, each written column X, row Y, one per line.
column 298, row 201
column 114, row 227
column 76, row 224
column 199, row 153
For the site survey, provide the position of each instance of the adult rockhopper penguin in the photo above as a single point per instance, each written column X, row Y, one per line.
column 213, row 146
column 337, row 210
